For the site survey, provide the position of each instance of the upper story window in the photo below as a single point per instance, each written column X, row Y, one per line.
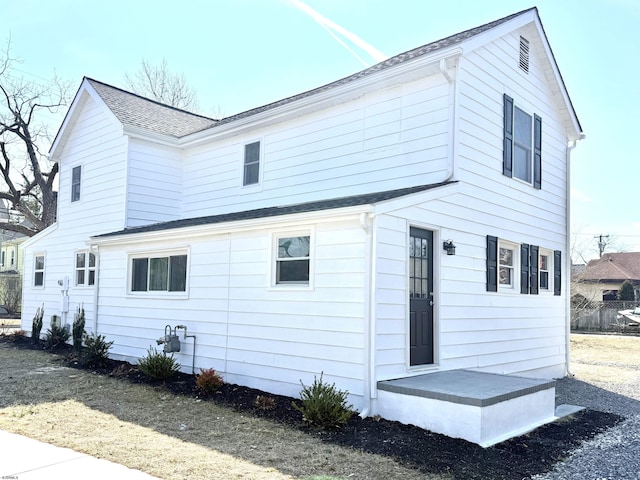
column 38, row 271
column 159, row 273
column 12, row 258
column 292, row 260
column 2, row 258
column 522, row 149
column 251, row 163
column 75, row 183
column 85, row 268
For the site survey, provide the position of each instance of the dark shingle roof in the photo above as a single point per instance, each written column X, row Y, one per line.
column 330, row 204
column 613, row 267
column 134, row 110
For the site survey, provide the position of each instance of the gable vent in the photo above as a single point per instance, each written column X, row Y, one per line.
column 524, row 54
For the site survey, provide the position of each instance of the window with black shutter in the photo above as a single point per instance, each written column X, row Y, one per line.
column 522, row 144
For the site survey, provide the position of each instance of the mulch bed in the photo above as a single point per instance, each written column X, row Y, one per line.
column 518, row 459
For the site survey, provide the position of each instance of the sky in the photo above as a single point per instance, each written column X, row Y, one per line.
column 241, row 54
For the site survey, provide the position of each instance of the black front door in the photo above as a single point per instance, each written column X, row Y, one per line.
column 421, row 296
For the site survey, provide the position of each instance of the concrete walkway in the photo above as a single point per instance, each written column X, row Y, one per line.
column 23, row 458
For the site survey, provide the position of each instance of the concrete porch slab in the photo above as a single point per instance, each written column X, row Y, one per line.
column 483, row 408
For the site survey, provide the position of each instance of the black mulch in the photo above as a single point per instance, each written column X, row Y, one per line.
column 517, row 459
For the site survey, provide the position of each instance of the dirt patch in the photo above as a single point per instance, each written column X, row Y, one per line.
column 104, row 413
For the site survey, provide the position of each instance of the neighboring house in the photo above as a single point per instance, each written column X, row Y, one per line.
column 601, row 279
column 11, row 265
column 411, row 218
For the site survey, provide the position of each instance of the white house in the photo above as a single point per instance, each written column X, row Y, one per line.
column 409, row 219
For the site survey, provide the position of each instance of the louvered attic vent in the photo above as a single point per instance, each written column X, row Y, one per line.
column 524, row 54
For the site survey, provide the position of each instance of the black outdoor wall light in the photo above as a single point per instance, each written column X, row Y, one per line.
column 449, row 247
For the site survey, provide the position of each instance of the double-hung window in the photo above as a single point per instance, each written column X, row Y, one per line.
column 85, row 268
column 38, row 270
column 522, row 144
column 545, row 270
column 293, row 259
column 161, row 273
column 251, row 163
column 524, row 268
column 75, row 183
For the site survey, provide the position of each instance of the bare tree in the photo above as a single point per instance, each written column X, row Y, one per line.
column 26, row 175
column 160, row 84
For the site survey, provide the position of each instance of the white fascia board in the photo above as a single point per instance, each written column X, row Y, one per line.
column 406, row 71
column 389, row 206
column 295, row 219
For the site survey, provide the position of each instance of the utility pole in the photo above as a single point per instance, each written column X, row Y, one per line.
column 602, row 244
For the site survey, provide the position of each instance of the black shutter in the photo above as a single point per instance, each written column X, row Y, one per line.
column 507, row 155
column 533, row 269
column 537, row 152
column 492, row 264
column 524, row 268
column 557, row 272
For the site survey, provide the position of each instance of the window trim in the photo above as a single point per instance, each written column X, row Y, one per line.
column 39, row 270
column 515, row 266
column 509, row 142
column 158, row 254
column 276, row 236
column 545, row 252
column 259, row 163
column 76, row 186
column 87, row 269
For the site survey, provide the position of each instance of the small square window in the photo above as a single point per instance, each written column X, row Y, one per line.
column 292, row 260
column 507, row 262
column 85, row 268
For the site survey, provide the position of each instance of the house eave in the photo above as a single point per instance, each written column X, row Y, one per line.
column 194, row 231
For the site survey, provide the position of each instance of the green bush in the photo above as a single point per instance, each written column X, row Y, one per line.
column 78, row 328
column 208, row 381
column 626, row 292
column 158, row 365
column 36, row 326
column 96, row 351
column 323, row 405
column 56, row 337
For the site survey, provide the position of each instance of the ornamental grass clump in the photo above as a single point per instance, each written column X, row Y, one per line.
column 159, row 365
column 323, row 405
column 208, row 381
column 56, row 337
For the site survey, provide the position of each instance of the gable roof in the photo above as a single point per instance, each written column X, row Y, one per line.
column 136, row 111
column 613, row 267
column 330, row 204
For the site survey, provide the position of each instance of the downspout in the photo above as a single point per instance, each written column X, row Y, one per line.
column 96, row 297
column 453, row 120
column 367, row 222
column 567, row 262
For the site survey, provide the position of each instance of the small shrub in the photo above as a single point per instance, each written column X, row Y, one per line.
column 158, row 365
column 17, row 335
column 323, row 405
column 36, row 325
column 56, row 337
column 264, row 402
column 208, row 381
column 78, row 328
column 96, row 351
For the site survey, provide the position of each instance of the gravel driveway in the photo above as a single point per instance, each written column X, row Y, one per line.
column 610, row 385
